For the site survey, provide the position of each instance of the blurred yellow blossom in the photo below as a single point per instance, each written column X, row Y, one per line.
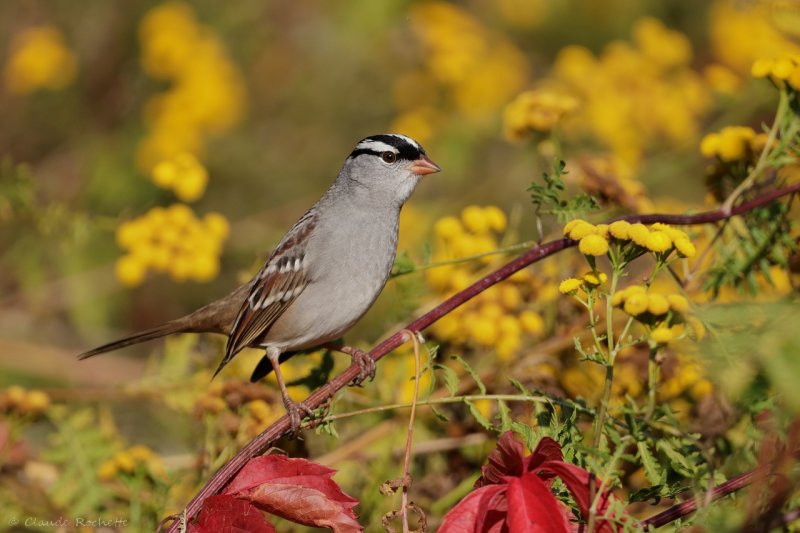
column 635, row 95
column 742, row 32
column 171, row 240
column 732, row 143
column 480, row 70
column 184, row 174
column 782, row 71
column 39, row 59
column 206, row 95
column 538, row 110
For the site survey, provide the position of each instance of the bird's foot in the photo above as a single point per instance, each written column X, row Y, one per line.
column 296, row 411
column 365, row 362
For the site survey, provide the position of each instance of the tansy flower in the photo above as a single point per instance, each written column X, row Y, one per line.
column 636, row 304
column 678, row 303
column 662, row 335
column 619, row 229
column 639, row 233
column 685, row 248
column 581, row 230
column 593, row 245
column 657, row 304
column 569, row 286
column 658, row 241
column 595, row 280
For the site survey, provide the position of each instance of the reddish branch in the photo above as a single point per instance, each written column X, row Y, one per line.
column 263, row 441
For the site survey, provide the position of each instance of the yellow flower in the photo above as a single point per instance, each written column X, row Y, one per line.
column 484, row 331
column 636, row 304
column 658, row 242
column 620, row 229
column 130, row 270
column 532, row 322
column 662, row 335
column 569, row 286
column 39, row 59
column 448, row 228
column 539, row 110
column 580, row 230
column 639, row 233
column 657, row 304
column 35, row 402
column 496, row 219
column 184, row 174
column 685, row 248
column 591, row 278
column 474, row 219
column 678, row 303
column 709, row 145
column 507, row 346
column 593, row 245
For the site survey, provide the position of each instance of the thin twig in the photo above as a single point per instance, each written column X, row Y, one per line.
column 688, row 507
column 410, row 433
column 281, row 427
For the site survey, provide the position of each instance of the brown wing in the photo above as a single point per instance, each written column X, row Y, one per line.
column 279, row 282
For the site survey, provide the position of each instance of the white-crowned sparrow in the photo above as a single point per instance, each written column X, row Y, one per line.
column 327, row 270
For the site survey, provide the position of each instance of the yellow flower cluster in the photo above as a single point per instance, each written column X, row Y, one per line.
column 733, row 143
column 171, row 240
column 127, row 461
column 39, row 59
column 184, row 174
column 593, row 240
column 665, row 315
column 538, row 110
column 206, row 95
column 635, row 94
column 783, row 71
column 742, row 32
column 590, row 281
column 23, row 401
column 499, row 316
column 478, row 69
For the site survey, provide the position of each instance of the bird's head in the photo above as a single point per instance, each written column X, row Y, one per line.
column 388, row 166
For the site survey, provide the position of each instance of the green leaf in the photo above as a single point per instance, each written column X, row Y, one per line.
column 449, row 377
column 471, row 372
column 505, row 415
column 478, row 416
column 651, row 466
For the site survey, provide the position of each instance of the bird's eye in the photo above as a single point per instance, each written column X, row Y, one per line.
column 389, row 157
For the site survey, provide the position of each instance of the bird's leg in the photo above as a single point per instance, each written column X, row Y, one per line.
column 293, row 409
column 364, row 361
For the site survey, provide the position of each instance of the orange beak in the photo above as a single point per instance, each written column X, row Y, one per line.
column 423, row 166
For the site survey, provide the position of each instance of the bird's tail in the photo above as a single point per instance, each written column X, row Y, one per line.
column 168, row 328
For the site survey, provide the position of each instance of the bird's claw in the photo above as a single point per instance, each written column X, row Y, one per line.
column 366, row 365
column 295, row 410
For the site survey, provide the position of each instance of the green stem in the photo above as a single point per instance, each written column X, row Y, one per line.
column 653, row 371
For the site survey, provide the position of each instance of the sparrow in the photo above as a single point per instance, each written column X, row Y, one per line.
column 324, row 274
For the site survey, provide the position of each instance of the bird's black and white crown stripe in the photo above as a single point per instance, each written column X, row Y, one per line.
column 405, row 147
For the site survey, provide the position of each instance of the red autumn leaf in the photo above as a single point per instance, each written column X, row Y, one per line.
column 532, row 508
column 508, row 459
column 470, row 512
column 521, row 499
column 226, row 514
column 577, row 481
column 296, row 489
column 259, row 470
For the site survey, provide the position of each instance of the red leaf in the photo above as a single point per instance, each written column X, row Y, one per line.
column 268, row 467
column 532, row 508
column 305, row 505
column 505, row 460
column 577, row 481
column 296, row 489
column 468, row 515
column 226, row 514
column 508, row 459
